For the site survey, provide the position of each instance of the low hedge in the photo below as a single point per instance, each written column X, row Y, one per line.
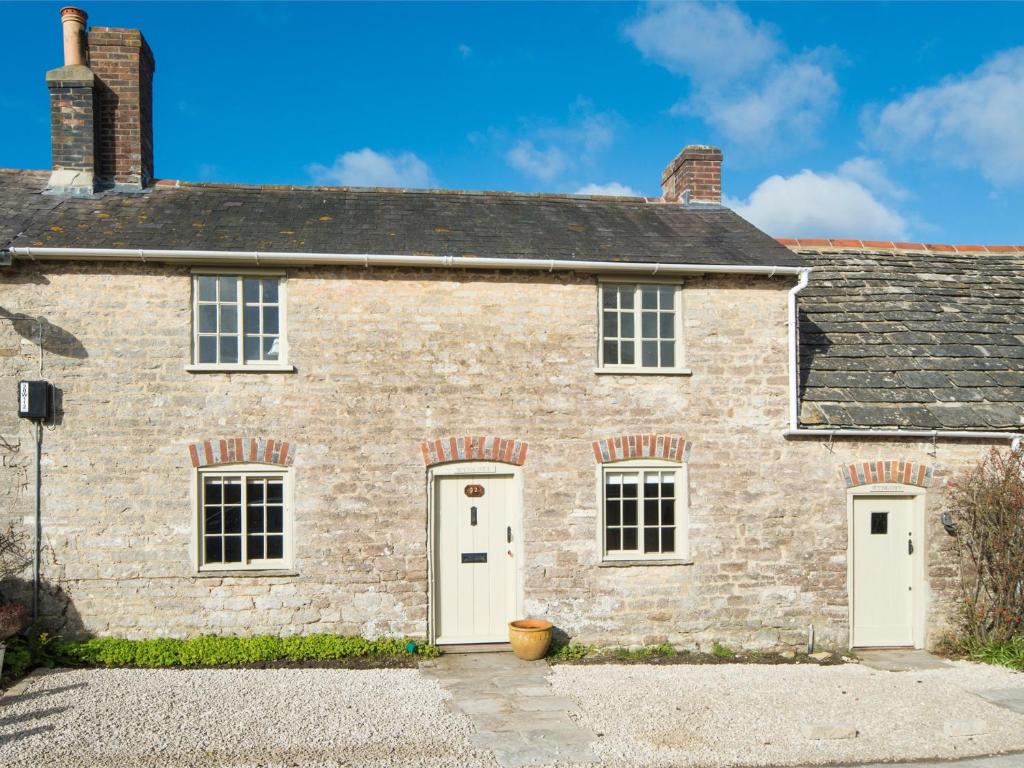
column 213, row 650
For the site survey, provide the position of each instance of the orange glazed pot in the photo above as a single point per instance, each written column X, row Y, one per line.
column 530, row 638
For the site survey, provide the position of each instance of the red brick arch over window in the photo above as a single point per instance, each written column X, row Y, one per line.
column 232, row 450
column 473, row 448
column 651, row 446
column 868, row 472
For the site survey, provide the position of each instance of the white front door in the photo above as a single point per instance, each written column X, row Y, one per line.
column 885, row 552
column 475, row 518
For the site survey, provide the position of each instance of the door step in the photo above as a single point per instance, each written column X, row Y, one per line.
column 477, row 648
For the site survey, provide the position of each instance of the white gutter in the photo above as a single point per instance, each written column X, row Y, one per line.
column 270, row 258
column 794, row 398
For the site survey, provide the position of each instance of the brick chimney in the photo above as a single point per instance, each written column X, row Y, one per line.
column 101, row 109
column 694, row 176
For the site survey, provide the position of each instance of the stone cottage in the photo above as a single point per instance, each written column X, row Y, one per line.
column 428, row 412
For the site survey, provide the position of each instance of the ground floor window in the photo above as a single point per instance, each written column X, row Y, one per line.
column 244, row 519
column 645, row 510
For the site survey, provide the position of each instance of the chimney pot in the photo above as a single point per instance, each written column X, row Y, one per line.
column 73, row 22
column 694, row 175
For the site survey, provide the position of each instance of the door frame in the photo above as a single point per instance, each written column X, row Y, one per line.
column 470, row 468
column 920, row 597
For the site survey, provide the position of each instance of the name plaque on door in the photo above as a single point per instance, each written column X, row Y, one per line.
column 474, row 557
column 474, row 491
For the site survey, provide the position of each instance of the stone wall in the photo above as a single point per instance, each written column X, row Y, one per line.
column 385, row 360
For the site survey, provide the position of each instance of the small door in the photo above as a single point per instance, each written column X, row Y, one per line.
column 474, row 563
column 885, row 549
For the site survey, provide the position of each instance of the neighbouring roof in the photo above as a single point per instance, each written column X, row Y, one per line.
column 912, row 336
column 180, row 216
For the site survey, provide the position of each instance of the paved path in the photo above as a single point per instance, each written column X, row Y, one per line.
column 513, row 709
column 900, row 660
column 1002, row 761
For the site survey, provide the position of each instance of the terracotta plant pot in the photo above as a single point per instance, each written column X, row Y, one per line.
column 530, row 638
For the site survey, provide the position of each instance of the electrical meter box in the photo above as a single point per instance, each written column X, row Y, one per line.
column 35, row 400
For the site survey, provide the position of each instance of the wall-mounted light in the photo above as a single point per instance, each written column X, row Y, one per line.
column 948, row 524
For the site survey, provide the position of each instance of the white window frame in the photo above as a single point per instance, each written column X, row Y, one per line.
column 637, row 367
column 243, row 471
column 280, row 365
column 681, row 554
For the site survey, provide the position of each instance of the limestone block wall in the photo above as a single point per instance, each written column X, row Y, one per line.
column 385, row 360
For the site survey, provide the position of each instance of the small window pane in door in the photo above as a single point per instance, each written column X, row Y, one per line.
column 879, row 522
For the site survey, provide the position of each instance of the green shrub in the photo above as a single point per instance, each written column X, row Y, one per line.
column 721, row 651
column 212, row 650
column 569, row 652
column 1007, row 654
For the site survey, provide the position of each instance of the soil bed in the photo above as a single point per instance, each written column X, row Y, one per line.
column 689, row 657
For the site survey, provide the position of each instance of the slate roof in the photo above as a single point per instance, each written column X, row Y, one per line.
column 383, row 221
column 912, row 338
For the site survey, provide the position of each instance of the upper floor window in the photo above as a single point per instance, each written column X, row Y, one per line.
column 641, row 328
column 244, row 519
column 238, row 321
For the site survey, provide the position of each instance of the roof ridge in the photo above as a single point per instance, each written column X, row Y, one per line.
column 890, row 245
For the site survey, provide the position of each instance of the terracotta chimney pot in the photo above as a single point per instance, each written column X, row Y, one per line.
column 73, row 21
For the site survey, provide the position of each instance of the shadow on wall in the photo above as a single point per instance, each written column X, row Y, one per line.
column 814, row 341
column 42, row 332
column 57, row 612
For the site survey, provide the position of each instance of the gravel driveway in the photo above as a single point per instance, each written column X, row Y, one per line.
column 720, row 715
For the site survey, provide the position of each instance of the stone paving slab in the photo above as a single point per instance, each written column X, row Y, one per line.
column 900, row 660
column 1008, row 698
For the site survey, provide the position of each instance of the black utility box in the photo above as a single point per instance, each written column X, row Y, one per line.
column 35, row 400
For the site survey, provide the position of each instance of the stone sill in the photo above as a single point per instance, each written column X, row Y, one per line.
column 230, row 574
column 643, row 372
column 262, row 368
column 631, row 563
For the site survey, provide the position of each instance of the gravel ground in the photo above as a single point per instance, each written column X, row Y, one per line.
column 735, row 715
column 234, row 718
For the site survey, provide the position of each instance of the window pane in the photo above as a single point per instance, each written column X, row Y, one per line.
column 649, row 297
column 270, row 320
column 275, row 547
column 649, row 351
column 667, row 325
column 626, row 297
column 254, row 519
column 613, row 487
column 252, row 320
column 629, row 486
column 611, row 353
column 213, row 553
column 232, row 549
column 232, row 519
column 629, row 538
column 254, row 547
column 275, row 520
column 668, row 540
column 229, row 349
column 228, row 319
column 207, row 349
column 628, row 358
column 629, row 512
column 213, row 520
column 651, row 485
column 269, row 291
column 667, row 296
column 668, row 512
column 254, row 491
column 650, row 512
column 650, row 539
column 232, row 492
column 228, row 289
column 251, row 290
column 207, row 318
column 668, row 354
column 611, row 325
column 271, row 347
column 211, row 492
column 614, row 539
column 611, row 513
column 275, row 491
column 252, row 348
column 649, row 324
column 608, row 294
column 626, row 321
column 207, row 288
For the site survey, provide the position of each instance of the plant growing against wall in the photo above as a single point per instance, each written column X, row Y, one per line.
column 986, row 505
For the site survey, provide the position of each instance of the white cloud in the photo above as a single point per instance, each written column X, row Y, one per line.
column 544, row 164
column 810, row 204
column 870, row 173
column 968, row 121
column 464, row 50
column 551, row 151
column 613, row 188
column 743, row 81
column 367, row 168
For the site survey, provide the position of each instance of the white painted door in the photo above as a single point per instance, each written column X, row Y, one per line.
column 885, row 549
column 474, row 563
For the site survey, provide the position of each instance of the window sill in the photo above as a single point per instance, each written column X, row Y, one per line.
column 643, row 371
column 243, row 573
column 255, row 368
column 631, row 563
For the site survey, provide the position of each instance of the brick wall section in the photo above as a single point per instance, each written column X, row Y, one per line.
column 72, row 118
column 697, row 169
column 652, row 446
column 868, row 472
column 478, row 448
column 384, row 358
column 229, row 450
column 124, row 66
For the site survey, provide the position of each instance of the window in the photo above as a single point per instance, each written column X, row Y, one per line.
column 645, row 511
column 244, row 520
column 641, row 327
column 238, row 321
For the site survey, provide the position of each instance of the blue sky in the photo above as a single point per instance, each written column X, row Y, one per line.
column 867, row 120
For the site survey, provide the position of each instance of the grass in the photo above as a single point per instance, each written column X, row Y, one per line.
column 1009, row 654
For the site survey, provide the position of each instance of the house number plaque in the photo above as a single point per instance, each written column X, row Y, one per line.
column 474, row 491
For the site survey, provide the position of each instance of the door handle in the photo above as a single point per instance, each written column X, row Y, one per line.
column 508, row 534
column 910, row 546
column 472, row 515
